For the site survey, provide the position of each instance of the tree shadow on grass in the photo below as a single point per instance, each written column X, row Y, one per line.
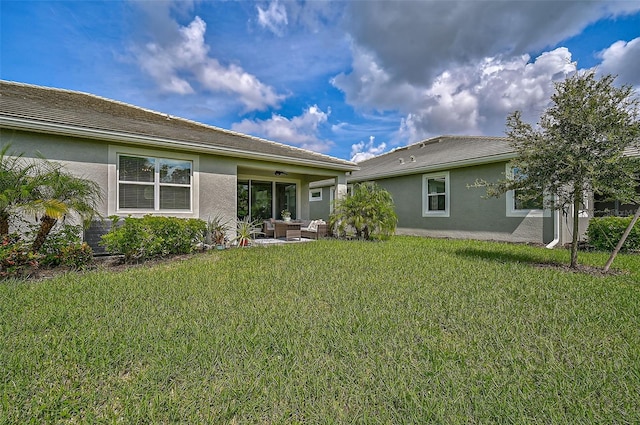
column 505, row 257
column 532, row 260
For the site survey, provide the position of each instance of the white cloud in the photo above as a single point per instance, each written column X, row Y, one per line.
column 622, row 59
column 362, row 151
column 274, row 18
column 415, row 41
column 472, row 99
column 301, row 131
column 460, row 67
column 179, row 62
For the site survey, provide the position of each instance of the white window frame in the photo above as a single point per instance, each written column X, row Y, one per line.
column 425, row 196
column 512, row 211
column 114, row 182
column 315, row 198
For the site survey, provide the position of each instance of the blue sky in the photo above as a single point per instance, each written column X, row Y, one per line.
column 349, row 79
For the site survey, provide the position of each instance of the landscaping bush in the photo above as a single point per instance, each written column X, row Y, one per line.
column 151, row 237
column 369, row 211
column 605, row 232
column 15, row 257
column 63, row 247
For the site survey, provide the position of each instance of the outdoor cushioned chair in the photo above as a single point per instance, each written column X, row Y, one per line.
column 268, row 228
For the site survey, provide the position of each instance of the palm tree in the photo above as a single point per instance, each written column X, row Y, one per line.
column 58, row 194
column 16, row 185
column 369, row 211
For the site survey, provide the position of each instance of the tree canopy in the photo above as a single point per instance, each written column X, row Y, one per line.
column 578, row 147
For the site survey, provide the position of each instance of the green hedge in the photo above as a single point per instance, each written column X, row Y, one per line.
column 151, row 237
column 605, row 232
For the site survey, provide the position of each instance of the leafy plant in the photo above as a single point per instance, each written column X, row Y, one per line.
column 59, row 193
column 64, row 247
column 605, row 232
column 246, row 231
column 15, row 257
column 578, row 146
column 16, row 185
column 369, row 211
column 150, row 237
column 216, row 230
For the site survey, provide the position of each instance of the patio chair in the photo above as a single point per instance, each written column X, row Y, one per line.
column 268, row 228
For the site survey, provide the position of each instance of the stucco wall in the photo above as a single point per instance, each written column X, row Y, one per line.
column 321, row 209
column 84, row 158
column 214, row 177
column 470, row 215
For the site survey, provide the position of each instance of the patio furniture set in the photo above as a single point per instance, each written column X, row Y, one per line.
column 295, row 229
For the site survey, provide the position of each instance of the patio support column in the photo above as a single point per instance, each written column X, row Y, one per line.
column 341, row 186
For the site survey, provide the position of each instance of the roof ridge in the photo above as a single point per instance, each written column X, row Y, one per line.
column 170, row 117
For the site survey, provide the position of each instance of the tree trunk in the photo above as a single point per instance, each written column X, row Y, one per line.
column 622, row 239
column 576, row 229
column 4, row 224
column 46, row 224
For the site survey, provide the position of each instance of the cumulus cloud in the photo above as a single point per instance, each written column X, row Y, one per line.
column 471, row 99
column 177, row 62
column 274, row 18
column 460, row 67
column 622, row 59
column 477, row 99
column 301, row 131
column 370, row 86
column 415, row 41
column 362, row 151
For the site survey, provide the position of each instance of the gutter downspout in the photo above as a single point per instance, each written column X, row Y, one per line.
column 556, row 230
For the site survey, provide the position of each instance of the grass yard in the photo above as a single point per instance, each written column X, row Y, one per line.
column 412, row 330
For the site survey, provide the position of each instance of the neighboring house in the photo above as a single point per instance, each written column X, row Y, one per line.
column 616, row 208
column 153, row 163
column 432, row 185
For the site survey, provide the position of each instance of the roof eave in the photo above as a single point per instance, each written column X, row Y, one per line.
column 158, row 142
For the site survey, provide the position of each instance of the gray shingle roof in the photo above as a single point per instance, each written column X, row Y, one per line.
column 434, row 154
column 83, row 113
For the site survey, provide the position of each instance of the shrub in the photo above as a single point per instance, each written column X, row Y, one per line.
column 605, row 232
column 15, row 257
column 369, row 211
column 63, row 247
column 77, row 256
column 151, row 237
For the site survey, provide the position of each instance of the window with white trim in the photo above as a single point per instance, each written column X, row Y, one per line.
column 154, row 184
column 435, row 194
column 315, row 195
column 519, row 203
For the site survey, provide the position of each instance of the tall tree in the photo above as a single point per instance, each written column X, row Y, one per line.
column 60, row 193
column 577, row 147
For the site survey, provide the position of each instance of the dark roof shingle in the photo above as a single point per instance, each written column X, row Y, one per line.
column 89, row 112
column 435, row 154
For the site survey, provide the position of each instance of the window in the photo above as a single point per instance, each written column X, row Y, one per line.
column 154, row 184
column 315, row 195
column 435, row 195
column 261, row 200
column 521, row 202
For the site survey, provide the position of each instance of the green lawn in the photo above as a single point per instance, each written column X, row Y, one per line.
column 411, row 330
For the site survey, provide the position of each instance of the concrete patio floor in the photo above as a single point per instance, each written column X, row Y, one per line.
column 279, row 241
